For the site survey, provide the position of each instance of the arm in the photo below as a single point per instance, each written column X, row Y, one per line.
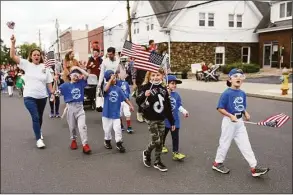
column 129, row 104
column 14, row 57
column 102, row 72
column 133, row 74
column 168, row 109
column 141, row 95
column 107, row 87
column 50, row 87
column 81, row 70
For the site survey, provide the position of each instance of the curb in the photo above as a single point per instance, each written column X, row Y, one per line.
column 270, row 97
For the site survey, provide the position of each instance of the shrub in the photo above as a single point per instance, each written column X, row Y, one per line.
column 247, row 68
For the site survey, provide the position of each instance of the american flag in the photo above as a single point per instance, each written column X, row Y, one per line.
column 49, row 59
column 275, row 121
column 144, row 60
column 10, row 24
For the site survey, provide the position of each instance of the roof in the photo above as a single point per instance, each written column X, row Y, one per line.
column 279, row 25
column 263, row 7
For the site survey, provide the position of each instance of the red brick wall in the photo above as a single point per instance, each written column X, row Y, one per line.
column 96, row 35
column 284, row 39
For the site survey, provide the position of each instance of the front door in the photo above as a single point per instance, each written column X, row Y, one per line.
column 267, row 53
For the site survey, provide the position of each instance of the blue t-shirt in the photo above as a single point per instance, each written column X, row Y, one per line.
column 175, row 100
column 125, row 87
column 233, row 101
column 112, row 102
column 73, row 92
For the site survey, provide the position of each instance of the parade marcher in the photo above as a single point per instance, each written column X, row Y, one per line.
column 37, row 79
column 54, row 105
column 155, row 101
column 10, row 83
column 73, row 93
column 176, row 105
column 232, row 105
column 20, row 82
column 113, row 97
column 94, row 63
column 69, row 62
column 162, row 50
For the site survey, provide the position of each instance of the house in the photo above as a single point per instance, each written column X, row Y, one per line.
column 76, row 40
column 275, row 36
column 115, row 37
column 96, row 35
column 218, row 32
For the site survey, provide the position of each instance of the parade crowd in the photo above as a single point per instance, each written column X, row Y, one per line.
column 159, row 104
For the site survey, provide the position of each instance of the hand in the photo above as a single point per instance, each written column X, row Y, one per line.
column 147, row 93
column 186, row 114
column 52, row 97
column 131, row 108
column 13, row 40
column 112, row 77
column 247, row 116
column 173, row 128
column 56, row 77
column 169, row 90
column 233, row 118
column 91, row 64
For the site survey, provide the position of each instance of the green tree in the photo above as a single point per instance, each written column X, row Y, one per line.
column 5, row 54
column 25, row 48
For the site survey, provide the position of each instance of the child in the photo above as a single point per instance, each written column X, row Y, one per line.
column 20, row 82
column 232, row 105
column 10, row 83
column 176, row 106
column 54, row 104
column 155, row 102
column 113, row 97
column 73, row 93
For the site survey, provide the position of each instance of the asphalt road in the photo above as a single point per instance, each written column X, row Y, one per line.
column 266, row 80
column 57, row 169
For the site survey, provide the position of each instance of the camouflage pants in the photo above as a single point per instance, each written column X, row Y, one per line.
column 157, row 131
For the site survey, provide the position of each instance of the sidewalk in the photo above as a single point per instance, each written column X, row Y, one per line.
column 266, row 91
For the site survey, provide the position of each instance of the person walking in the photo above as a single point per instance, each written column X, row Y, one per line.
column 94, row 63
column 37, row 79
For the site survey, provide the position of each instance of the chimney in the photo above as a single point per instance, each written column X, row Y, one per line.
column 86, row 27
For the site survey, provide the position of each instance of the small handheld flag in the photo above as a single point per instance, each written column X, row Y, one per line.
column 275, row 121
column 11, row 25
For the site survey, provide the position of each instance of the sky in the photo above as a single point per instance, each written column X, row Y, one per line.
column 32, row 16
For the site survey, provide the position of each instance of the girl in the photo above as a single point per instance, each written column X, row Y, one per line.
column 69, row 62
column 155, row 102
column 54, row 104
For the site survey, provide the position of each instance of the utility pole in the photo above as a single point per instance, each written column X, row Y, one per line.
column 40, row 44
column 57, row 33
column 129, row 21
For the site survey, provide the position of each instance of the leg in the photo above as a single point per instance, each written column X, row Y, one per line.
column 107, row 126
column 72, row 122
column 127, row 114
column 41, row 104
column 31, row 106
column 165, row 135
column 154, row 133
column 80, row 115
column 159, row 142
column 10, row 89
column 175, row 140
column 51, row 108
column 57, row 105
column 117, row 130
column 243, row 143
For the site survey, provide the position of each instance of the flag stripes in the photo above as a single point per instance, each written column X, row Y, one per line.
column 275, row 121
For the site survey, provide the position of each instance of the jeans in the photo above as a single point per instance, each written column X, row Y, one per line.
column 36, row 109
column 175, row 138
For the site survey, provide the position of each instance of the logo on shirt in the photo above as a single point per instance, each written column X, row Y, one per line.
column 123, row 87
column 113, row 96
column 173, row 103
column 75, row 93
column 238, row 104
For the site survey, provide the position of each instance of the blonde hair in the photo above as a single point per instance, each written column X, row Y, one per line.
column 147, row 77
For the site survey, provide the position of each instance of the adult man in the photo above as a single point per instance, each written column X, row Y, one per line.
column 94, row 63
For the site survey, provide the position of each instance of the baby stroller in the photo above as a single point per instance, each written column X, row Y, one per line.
column 90, row 91
column 211, row 74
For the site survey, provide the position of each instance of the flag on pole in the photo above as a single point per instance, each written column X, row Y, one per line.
column 11, row 25
column 49, row 59
column 130, row 48
column 275, row 121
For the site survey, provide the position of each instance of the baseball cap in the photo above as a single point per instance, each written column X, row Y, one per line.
column 75, row 71
column 108, row 74
column 173, row 78
column 235, row 71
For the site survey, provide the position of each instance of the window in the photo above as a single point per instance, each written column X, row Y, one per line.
column 289, row 9
column 211, row 19
column 202, row 19
column 152, row 26
column 231, row 20
column 136, row 29
column 245, row 55
column 148, row 27
column 220, row 56
column 282, row 10
column 239, row 21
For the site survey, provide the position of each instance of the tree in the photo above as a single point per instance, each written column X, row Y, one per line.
column 5, row 54
column 25, row 48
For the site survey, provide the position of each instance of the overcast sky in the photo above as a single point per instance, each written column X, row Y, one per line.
column 30, row 16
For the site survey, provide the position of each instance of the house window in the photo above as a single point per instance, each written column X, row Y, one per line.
column 239, row 21
column 220, row 56
column 245, row 55
column 282, row 10
column 211, row 19
column 289, row 9
column 231, row 20
column 136, row 29
column 202, row 19
column 152, row 26
column 148, row 27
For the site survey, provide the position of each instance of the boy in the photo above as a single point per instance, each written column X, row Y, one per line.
column 155, row 103
column 177, row 107
column 232, row 105
column 73, row 93
column 113, row 97
column 10, row 83
column 20, row 82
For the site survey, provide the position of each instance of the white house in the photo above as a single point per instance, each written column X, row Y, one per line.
column 115, row 37
column 218, row 32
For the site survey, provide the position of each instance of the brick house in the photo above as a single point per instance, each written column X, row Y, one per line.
column 218, row 32
column 275, row 36
column 96, row 35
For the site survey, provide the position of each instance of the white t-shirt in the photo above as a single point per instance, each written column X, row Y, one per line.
column 36, row 79
column 108, row 65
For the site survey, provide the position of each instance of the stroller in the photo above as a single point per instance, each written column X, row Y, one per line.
column 211, row 74
column 90, row 91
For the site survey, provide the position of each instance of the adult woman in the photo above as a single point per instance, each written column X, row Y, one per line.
column 37, row 79
column 68, row 63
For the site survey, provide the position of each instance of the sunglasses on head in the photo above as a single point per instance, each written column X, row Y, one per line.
column 238, row 75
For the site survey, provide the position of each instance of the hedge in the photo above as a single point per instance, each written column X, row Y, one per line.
column 247, row 68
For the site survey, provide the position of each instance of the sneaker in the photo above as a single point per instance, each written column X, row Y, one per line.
column 58, row 115
column 160, row 166
column 73, row 145
column 139, row 117
column 107, row 144
column 146, row 159
column 129, row 130
column 122, row 128
column 258, row 171
column 178, row 156
column 51, row 115
column 42, row 138
column 164, row 150
column 40, row 144
column 86, row 149
column 120, row 147
column 220, row 168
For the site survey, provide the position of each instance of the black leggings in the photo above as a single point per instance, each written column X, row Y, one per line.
column 57, row 104
column 175, row 138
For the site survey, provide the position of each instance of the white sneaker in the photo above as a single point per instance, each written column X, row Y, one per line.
column 140, row 118
column 40, row 144
column 42, row 136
